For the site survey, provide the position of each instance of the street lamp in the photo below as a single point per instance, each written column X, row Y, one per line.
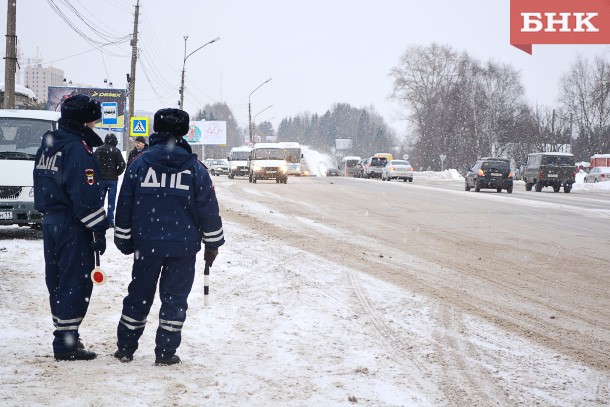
column 254, row 121
column 250, row 110
column 184, row 62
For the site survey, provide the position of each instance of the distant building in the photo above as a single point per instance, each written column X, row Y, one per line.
column 39, row 78
column 24, row 97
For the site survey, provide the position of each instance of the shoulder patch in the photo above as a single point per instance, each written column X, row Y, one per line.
column 90, row 176
column 86, row 147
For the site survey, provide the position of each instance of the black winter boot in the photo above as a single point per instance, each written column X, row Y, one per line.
column 78, row 354
column 123, row 357
column 167, row 361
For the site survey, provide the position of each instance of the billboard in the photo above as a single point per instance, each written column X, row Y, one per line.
column 343, row 143
column 207, row 132
column 113, row 103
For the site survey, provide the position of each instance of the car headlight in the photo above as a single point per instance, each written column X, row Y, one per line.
column 234, row 167
column 257, row 168
column 283, row 168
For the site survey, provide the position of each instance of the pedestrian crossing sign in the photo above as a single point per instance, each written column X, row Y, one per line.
column 138, row 126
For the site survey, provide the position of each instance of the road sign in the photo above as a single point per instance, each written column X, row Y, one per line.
column 138, row 126
column 442, row 157
column 110, row 113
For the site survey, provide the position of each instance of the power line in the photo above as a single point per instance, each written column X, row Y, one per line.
column 144, row 70
column 84, row 36
column 100, row 31
column 77, row 54
column 117, row 4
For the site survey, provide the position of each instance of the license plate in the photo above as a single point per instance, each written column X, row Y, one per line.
column 496, row 174
column 271, row 172
column 552, row 175
column 6, row 215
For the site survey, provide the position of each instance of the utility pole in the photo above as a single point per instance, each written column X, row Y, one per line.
column 181, row 104
column 132, row 78
column 10, row 60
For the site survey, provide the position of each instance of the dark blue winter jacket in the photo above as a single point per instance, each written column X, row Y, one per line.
column 66, row 176
column 167, row 204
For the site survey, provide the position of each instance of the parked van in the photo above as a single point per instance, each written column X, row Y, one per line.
column 549, row 170
column 267, row 161
column 238, row 161
column 20, row 135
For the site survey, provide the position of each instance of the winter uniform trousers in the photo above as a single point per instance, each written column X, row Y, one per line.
column 175, row 283
column 67, row 253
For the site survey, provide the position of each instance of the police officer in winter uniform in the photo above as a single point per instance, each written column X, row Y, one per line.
column 112, row 166
column 74, row 224
column 167, row 206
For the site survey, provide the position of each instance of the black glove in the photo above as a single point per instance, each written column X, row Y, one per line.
column 99, row 242
column 209, row 255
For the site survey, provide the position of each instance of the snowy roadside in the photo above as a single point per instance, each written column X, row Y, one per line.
column 280, row 330
column 284, row 327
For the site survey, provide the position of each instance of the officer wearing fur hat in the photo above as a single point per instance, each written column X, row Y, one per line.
column 66, row 191
column 112, row 165
column 167, row 207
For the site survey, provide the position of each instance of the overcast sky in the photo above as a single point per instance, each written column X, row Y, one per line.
column 316, row 52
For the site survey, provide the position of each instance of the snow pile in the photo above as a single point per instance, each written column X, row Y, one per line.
column 317, row 162
column 450, row 174
column 580, row 185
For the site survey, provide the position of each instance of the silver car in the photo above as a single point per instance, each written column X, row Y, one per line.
column 598, row 174
column 397, row 169
column 217, row 167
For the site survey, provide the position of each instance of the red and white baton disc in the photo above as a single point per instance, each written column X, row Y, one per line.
column 98, row 276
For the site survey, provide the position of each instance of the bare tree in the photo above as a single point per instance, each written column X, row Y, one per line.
column 586, row 96
column 456, row 106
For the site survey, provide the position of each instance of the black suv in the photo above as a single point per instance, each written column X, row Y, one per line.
column 490, row 173
column 549, row 170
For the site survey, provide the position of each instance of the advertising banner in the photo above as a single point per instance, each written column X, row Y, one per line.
column 343, row 143
column 113, row 103
column 207, row 132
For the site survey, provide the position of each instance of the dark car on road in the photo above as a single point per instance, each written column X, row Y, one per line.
column 333, row 172
column 490, row 173
column 549, row 170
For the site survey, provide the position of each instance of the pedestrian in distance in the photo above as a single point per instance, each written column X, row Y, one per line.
column 140, row 146
column 112, row 165
column 167, row 207
column 67, row 192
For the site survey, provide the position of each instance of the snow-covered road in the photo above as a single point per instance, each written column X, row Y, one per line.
column 300, row 314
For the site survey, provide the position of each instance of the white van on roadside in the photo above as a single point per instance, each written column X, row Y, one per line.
column 20, row 135
column 268, row 161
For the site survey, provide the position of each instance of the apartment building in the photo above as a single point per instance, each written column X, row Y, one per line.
column 39, row 78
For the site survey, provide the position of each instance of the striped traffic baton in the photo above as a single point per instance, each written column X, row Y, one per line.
column 206, row 284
